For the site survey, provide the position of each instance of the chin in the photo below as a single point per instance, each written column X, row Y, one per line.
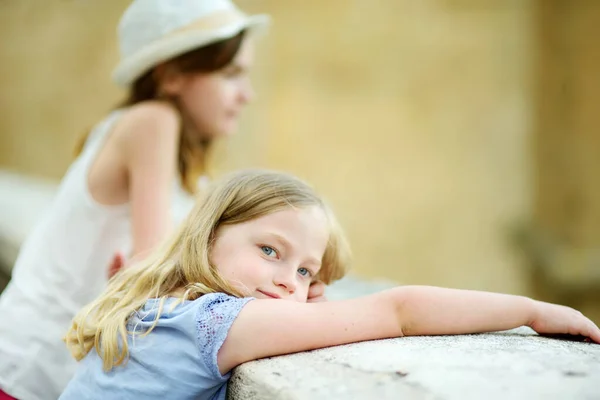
column 228, row 133
column 230, row 129
column 224, row 131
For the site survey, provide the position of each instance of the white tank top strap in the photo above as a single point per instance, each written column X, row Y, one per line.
column 92, row 146
column 99, row 132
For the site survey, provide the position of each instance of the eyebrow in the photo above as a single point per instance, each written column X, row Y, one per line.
column 285, row 243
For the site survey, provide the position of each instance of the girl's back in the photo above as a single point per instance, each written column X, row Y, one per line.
column 62, row 266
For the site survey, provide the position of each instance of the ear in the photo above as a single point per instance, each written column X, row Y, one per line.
column 169, row 79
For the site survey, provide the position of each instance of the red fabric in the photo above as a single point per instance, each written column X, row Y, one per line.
column 4, row 396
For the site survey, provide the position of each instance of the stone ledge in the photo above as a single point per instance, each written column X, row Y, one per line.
column 516, row 364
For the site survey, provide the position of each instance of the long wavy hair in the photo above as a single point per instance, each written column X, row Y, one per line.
column 193, row 153
column 181, row 267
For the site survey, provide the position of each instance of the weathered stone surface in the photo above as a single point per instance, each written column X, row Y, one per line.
column 515, row 364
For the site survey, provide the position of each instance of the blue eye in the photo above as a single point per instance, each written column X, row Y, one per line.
column 304, row 272
column 269, row 251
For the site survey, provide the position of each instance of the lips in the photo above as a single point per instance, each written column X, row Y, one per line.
column 269, row 294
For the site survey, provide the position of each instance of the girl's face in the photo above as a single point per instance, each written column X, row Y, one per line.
column 212, row 102
column 275, row 256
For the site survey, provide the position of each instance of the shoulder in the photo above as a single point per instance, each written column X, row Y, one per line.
column 214, row 315
column 150, row 120
column 149, row 128
column 218, row 307
column 154, row 111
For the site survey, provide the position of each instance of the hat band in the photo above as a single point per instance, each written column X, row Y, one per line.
column 210, row 22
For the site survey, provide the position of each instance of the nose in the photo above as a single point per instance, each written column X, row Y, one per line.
column 246, row 93
column 285, row 279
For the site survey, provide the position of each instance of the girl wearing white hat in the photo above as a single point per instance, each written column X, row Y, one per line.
column 185, row 65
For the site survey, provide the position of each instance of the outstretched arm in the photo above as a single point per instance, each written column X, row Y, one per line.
column 273, row 327
column 429, row 310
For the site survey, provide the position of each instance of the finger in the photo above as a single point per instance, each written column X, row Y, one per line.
column 120, row 257
column 317, row 299
column 594, row 333
column 116, row 264
column 316, row 289
column 112, row 271
column 116, row 258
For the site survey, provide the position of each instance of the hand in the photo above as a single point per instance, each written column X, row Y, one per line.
column 116, row 264
column 316, row 292
column 552, row 319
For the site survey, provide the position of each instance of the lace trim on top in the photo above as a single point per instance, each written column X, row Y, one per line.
column 213, row 320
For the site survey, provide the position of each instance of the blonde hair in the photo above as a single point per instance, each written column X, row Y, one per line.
column 182, row 263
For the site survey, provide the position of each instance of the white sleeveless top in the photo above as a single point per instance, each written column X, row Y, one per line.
column 61, row 267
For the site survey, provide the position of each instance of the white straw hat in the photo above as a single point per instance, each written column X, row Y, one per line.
column 153, row 31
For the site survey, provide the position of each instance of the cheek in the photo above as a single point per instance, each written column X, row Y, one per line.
column 224, row 258
column 225, row 93
column 200, row 101
column 247, row 268
column 199, row 94
column 211, row 108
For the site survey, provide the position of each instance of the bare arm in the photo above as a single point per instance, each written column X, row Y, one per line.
column 429, row 310
column 151, row 158
column 273, row 327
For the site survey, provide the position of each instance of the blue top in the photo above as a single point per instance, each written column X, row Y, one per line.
column 177, row 360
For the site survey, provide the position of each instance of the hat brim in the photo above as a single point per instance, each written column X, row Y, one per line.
column 129, row 69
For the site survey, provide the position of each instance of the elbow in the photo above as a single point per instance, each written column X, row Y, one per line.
column 408, row 308
column 400, row 299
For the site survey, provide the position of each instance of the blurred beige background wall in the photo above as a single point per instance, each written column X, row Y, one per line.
column 563, row 240
column 418, row 120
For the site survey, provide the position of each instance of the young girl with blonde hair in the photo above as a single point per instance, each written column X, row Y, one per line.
column 174, row 325
column 185, row 66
